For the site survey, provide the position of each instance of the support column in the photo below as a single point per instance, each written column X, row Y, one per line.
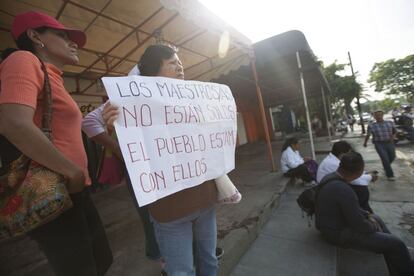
column 328, row 122
column 262, row 112
column 305, row 101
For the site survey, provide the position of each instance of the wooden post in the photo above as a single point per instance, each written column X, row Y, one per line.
column 262, row 112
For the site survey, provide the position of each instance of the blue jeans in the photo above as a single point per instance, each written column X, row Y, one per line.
column 386, row 151
column 152, row 251
column 175, row 240
column 393, row 249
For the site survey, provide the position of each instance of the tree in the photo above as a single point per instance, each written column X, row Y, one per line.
column 343, row 88
column 394, row 77
column 385, row 104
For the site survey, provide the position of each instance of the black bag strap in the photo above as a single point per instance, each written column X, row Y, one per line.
column 47, row 104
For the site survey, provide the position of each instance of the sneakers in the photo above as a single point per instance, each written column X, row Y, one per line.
column 392, row 178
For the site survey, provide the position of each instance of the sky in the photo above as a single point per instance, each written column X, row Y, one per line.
column 371, row 30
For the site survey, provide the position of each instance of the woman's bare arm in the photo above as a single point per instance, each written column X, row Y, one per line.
column 16, row 124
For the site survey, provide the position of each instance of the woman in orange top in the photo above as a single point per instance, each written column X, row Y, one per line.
column 75, row 243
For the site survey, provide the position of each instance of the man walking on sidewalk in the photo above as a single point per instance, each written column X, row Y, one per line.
column 383, row 139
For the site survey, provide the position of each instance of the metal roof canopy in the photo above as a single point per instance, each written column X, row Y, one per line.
column 289, row 67
column 288, row 71
column 119, row 32
column 278, row 71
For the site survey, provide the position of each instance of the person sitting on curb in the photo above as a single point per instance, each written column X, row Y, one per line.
column 343, row 223
column 293, row 165
column 360, row 185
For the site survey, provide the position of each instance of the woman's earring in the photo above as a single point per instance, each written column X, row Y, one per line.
column 42, row 45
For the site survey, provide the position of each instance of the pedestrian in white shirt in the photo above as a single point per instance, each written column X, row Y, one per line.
column 293, row 165
column 360, row 185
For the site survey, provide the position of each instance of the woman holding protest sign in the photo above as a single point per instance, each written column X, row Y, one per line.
column 33, row 98
column 188, row 215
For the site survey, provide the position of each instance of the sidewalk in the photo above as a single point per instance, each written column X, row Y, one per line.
column 262, row 192
column 287, row 246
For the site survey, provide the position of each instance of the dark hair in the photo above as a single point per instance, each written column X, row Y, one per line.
column 340, row 147
column 289, row 142
column 7, row 52
column 351, row 162
column 24, row 43
column 151, row 61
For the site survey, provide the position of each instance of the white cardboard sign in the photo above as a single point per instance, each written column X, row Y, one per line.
column 173, row 134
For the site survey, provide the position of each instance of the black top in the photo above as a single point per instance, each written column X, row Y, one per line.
column 337, row 209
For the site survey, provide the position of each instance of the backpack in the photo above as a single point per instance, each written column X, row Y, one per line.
column 307, row 199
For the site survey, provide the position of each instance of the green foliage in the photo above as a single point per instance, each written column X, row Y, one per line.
column 395, row 77
column 386, row 104
column 343, row 88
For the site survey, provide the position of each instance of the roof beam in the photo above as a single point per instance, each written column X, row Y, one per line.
column 101, row 53
column 97, row 15
column 207, row 59
column 132, row 51
column 264, row 86
column 62, row 8
column 84, row 66
column 102, row 15
column 137, row 35
column 128, row 25
column 218, row 66
column 122, row 24
column 122, row 40
column 191, row 38
column 5, row 12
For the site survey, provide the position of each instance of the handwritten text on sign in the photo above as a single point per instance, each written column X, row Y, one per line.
column 174, row 134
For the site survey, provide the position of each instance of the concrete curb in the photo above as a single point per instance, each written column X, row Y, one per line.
column 238, row 241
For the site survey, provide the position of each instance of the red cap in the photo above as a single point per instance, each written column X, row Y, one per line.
column 32, row 20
